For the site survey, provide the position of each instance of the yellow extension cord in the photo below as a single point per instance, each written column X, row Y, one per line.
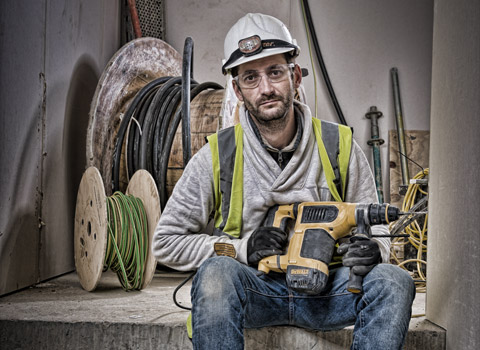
column 417, row 235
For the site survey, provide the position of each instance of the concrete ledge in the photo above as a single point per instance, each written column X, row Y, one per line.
column 59, row 314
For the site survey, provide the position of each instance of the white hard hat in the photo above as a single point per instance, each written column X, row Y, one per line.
column 255, row 36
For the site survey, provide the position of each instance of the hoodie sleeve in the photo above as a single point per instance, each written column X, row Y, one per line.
column 361, row 189
column 180, row 239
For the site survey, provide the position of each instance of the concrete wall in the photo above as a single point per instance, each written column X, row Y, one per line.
column 52, row 54
column 454, row 222
column 360, row 42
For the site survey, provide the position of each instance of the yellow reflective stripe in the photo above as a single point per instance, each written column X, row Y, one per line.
column 189, row 326
column 233, row 226
column 327, row 167
column 345, row 146
column 213, row 142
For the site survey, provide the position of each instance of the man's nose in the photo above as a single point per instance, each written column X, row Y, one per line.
column 265, row 86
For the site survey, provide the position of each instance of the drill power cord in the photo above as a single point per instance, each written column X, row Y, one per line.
column 178, row 288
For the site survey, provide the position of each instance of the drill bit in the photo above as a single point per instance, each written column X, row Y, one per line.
column 413, row 212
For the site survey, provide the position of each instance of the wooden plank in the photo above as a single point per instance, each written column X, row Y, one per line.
column 204, row 116
column 417, row 144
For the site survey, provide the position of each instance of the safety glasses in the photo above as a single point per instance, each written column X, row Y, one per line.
column 250, row 79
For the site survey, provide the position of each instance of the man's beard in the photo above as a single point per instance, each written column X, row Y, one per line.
column 272, row 121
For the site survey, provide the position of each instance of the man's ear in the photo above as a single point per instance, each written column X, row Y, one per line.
column 297, row 76
column 237, row 90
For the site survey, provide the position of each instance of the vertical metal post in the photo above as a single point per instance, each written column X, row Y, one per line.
column 400, row 130
column 375, row 142
column 187, row 76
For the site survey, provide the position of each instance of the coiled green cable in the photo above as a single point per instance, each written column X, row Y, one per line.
column 127, row 242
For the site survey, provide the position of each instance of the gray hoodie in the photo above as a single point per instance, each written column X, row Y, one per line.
column 182, row 240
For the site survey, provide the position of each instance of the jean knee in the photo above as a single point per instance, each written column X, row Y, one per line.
column 394, row 280
column 216, row 277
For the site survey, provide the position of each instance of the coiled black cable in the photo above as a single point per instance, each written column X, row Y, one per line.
column 151, row 121
column 123, row 128
column 157, row 105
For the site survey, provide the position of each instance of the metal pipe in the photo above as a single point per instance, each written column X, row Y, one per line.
column 135, row 21
column 400, row 131
column 375, row 142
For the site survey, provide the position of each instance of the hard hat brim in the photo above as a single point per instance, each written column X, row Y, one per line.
column 264, row 53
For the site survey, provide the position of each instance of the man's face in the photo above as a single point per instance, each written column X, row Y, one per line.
column 268, row 102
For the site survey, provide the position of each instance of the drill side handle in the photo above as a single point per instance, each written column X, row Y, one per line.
column 355, row 282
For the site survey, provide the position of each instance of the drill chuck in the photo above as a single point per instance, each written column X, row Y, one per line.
column 382, row 214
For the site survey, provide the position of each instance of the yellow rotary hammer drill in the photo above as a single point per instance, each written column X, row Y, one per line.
column 318, row 226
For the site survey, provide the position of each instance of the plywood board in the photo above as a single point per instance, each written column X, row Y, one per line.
column 417, row 145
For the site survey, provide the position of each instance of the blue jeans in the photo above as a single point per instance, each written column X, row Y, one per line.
column 228, row 296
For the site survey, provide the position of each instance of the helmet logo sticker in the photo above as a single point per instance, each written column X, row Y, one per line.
column 250, row 45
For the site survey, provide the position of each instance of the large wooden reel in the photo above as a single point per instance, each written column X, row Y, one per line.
column 133, row 66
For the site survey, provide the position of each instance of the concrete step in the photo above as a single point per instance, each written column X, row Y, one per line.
column 59, row 314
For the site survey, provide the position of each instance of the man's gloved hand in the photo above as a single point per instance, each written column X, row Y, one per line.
column 265, row 241
column 361, row 254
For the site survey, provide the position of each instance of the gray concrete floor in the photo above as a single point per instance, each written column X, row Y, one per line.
column 63, row 301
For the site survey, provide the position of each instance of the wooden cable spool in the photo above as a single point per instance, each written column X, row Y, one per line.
column 91, row 224
column 130, row 69
column 137, row 63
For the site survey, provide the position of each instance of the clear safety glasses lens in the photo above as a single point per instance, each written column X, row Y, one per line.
column 275, row 74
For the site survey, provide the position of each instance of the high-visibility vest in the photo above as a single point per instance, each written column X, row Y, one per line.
column 334, row 143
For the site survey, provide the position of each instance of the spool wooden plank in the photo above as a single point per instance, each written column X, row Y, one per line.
column 90, row 229
column 133, row 66
column 205, row 111
column 417, row 146
column 142, row 185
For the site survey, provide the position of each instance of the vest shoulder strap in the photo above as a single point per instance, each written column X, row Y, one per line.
column 334, row 145
column 227, row 162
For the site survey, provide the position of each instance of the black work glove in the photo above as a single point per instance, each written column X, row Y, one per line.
column 360, row 254
column 265, row 241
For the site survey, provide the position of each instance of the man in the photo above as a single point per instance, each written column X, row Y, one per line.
column 272, row 158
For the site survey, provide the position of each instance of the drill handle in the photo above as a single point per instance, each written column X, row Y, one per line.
column 355, row 282
column 270, row 218
column 279, row 215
